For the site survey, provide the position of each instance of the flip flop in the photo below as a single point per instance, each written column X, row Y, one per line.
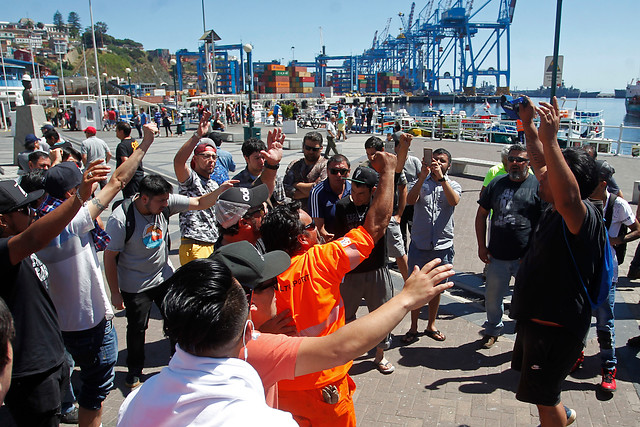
column 435, row 335
column 385, row 367
column 409, row 338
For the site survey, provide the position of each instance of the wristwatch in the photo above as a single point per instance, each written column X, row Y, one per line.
column 443, row 179
column 273, row 167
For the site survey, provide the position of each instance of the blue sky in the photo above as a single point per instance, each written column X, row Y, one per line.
column 599, row 40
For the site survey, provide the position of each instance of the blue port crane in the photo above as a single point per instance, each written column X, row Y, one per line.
column 447, row 42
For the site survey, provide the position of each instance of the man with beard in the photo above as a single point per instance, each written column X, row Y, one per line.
column 516, row 209
column 303, row 174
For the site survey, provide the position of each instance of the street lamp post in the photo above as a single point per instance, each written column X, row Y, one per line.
column 128, row 71
column 106, row 90
column 250, row 131
column 174, row 63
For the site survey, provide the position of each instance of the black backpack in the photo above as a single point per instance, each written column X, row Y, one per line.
column 620, row 249
column 130, row 219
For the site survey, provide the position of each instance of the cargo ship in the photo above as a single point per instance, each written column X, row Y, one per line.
column 561, row 91
column 632, row 100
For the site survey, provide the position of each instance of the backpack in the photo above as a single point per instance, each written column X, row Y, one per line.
column 621, row 249
column 130, row 219
column 600, row 285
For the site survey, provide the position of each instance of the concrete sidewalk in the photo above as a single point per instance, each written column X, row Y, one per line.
column 450, row 383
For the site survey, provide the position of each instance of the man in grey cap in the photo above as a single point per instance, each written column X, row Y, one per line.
column 239, row 212
column 198, row 229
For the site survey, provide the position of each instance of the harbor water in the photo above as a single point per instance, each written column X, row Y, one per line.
column 614, row 113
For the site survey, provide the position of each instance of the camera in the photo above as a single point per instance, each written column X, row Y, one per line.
column 511, row 106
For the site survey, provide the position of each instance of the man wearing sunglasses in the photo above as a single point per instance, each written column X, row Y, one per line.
column 516, row 209
column 310, row 288
column 303, row 174
column 325, row 195
column 239, row 212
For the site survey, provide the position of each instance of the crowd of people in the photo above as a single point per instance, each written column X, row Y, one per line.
column 261, row 313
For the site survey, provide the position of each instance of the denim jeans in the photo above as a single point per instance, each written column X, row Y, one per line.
column 68, row 398
column 606, row 330
column 499, row 273
column 138, row 308
column 95, row 351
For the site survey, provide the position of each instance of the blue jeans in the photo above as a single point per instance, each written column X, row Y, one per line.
column 499, row 273
column 69, row 398
column 606, row 330
column 420, row 257
column 95, row 351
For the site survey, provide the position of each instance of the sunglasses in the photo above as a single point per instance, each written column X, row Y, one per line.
column 336, row 171
column 314, row 149
column 253, row 212
column 517, row 159
column 310, row 226
column 207, row 156
column 271, row 283
column 25, row 210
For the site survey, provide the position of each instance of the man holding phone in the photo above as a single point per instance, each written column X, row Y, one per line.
column 434, row 197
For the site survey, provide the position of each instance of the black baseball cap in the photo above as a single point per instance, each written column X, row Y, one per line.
column 234, row 203
column 62, row 178
column 250, row 267
column 13, row 197
column 365, row 175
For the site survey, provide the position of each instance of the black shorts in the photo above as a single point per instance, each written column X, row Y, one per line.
column 35, row 399
column 544, row 356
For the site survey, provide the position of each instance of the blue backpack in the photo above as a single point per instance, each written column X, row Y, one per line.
column 602, row 285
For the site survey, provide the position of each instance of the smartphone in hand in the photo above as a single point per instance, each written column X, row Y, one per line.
column 428, row 155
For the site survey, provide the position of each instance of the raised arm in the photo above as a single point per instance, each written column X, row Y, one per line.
column 534, row 146
column 40, row 233
column 379, row 213
column 414, row 193
column 355, row 338
column 183, row 154
column 563, row 184
column 272, row 157
column 122, row 174
column 402, row 150
column 209, row 199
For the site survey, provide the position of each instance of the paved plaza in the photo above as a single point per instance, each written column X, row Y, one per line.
column 450, row 383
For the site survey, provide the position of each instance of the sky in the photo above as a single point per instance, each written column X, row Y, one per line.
column 599, row 40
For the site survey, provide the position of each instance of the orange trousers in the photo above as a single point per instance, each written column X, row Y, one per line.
column 309, row 408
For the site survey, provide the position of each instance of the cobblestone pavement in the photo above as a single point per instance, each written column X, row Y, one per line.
column 450, row 383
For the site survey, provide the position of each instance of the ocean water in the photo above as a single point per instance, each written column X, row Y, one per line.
column 614, row 113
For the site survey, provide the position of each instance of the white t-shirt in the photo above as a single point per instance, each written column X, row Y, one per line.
column 75, row 279
column 622, row 214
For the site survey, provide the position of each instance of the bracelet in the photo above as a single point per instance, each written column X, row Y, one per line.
column 272, row 167
column 195, row 135
column 82, row 202
column 443, row 179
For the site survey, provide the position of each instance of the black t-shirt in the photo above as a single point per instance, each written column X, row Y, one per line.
column 125, row 149
column 350, row 216
column 547, row 285
column 38, row 345
column 516, row 210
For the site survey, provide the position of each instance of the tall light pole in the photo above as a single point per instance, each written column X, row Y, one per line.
column 106, row 89
column 174, row 63
column 128, row 71
column 64, row 89
column 249, row 131
column 95, row 56
column 293, row 54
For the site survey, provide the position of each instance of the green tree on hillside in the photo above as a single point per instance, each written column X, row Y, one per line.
column 74, row 24
column 58, row 21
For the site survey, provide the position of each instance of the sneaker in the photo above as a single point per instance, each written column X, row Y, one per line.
column 488, row 341
column 634, row 273
column 578, row 363
column 132, row 381
column 608, row 380
column 571, row 415
column 70, row 417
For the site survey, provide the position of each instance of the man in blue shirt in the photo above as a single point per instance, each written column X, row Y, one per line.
column 325, row 195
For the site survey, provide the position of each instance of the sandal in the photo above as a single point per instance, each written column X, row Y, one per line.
column 384, row 366
column 435, row 335
column 409, row 338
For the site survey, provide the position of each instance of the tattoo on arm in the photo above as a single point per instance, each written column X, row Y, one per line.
column 99, row 205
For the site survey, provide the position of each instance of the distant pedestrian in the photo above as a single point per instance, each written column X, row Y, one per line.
column 135, row 121
column 166, row 123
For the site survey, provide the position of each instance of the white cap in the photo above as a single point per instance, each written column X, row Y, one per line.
column 26, row 78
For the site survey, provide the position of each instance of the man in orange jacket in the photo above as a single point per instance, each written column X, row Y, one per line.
column 310, row 289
